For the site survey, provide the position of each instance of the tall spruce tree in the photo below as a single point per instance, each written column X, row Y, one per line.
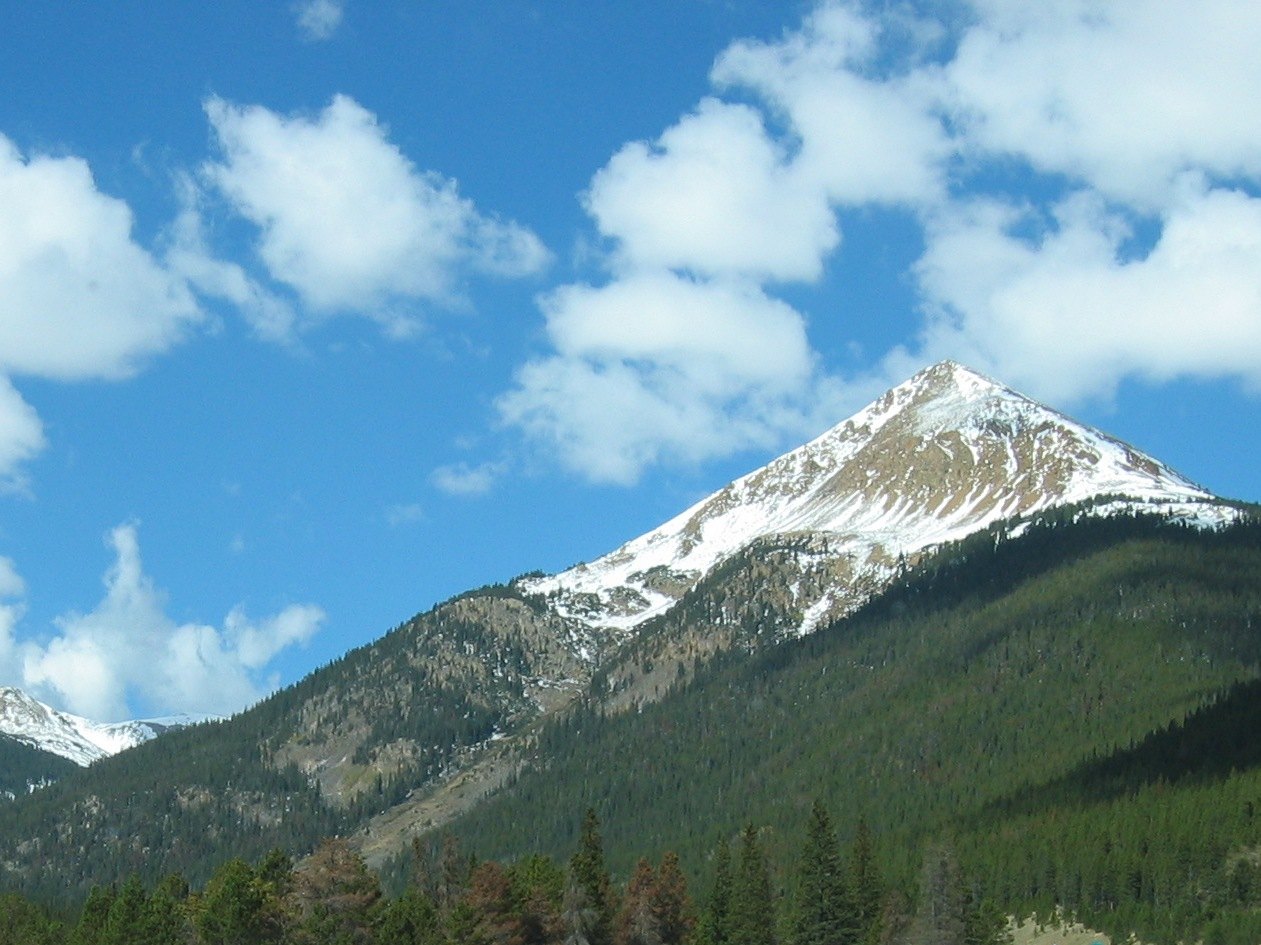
column 752, row 899
column 235, row 908
column 539, row 886
column 410, row 919
column 821, row 911
column 715, row 923
column 166, row 920
column 865, row 887
column 334, row 897
column 591, row 876
column 90, row 928
column 124, row 923
column 578, row 918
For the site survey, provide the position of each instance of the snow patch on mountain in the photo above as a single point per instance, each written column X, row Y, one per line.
column 71, row 736
column 939, row 457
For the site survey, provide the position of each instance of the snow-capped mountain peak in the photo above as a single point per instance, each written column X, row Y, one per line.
column 80, row 740
column 942, row 455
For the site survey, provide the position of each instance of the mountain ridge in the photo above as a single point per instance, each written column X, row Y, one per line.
column 83, row 741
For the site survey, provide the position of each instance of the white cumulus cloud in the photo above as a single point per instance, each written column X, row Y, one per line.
column 346, row 220
column 188, row 253
column 127, row 654
column 79, row 298
column 659, row 366
column 404, row 513
column 1124, row 96
column 1129, row 245
column 12, row 590
column 1084, row 177
column 859, row 137
column 21, row 436
column 1069, row 314
column 715, row 194
column 684, row 356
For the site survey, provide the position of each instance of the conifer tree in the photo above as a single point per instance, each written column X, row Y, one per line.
column 124, row 920
column 275, row 873
column 410, row 919
column 589, row 873
column 820, row 913
column 538, row 888
column 235, row 909
column 752, row 901
column 93, row 918
column 984, row 923
column 865, row 888
column 715, row 923
column 453, row 873
column 24, row 923
column 332, row 898
column 578, row 916
column 491, row 897
column 671, row 902
column 637, row 921
column 165, row 920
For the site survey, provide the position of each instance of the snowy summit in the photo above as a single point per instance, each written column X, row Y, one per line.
column 943, row 455
column 81, row 740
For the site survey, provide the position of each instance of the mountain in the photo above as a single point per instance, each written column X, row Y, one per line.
column 945, row 454
column 77, row 739
column 460, row 709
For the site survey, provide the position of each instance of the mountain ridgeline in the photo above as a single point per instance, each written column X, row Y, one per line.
column 957, row 613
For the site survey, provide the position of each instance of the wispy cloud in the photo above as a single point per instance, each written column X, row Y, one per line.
column 466, row 480
column 318, row 20
column 408, row 513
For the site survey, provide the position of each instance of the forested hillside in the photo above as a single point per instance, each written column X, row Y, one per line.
column 821, row 894
column 312, row 761
column 1007, row 672
column 22, row 766
column 1069, row 711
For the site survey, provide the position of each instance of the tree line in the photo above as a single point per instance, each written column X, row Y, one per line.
column 826, row 896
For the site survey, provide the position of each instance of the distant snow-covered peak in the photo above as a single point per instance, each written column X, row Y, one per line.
column 940, row 456
column 71, row 736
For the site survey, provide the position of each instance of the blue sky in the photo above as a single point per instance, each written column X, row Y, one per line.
column 312, row 315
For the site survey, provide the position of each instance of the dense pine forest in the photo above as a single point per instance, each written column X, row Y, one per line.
column 23, row 767
column 824, row 895
column 1073, row 709
column 1062, row 720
